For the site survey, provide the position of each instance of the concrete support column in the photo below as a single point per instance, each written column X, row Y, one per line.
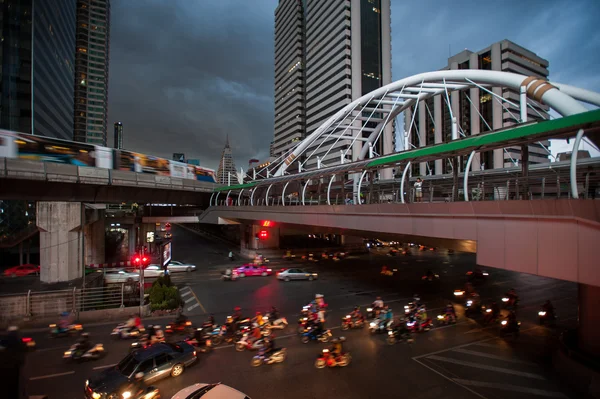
column 475, row 122
column 437, row 118
column 272, row 242
column 589, row 319
column 497, row 111
column 422, row 139
column 94, row 241
column 61, row 240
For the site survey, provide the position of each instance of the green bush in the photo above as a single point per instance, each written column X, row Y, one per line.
column 163, row 296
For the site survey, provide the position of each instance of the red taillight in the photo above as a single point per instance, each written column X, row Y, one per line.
column 26, row 339
column 194, row 353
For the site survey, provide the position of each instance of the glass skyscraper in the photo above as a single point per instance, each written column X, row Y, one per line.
column 91, row 71
column 37, row 65
column 327, row 54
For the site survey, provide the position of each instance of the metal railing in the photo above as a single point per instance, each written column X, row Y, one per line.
column 52, row 303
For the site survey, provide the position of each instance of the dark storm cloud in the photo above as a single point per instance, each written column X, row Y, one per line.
column 184, row 74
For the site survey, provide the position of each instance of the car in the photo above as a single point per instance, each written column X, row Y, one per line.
column 120, row 276
column 152, row 271
column 210, row 391
column 250, row 269
column 23, row 270
column 175, row 266
column 156, row 362
column 296, row 274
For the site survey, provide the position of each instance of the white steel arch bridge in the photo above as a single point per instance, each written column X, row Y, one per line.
column 381, row 106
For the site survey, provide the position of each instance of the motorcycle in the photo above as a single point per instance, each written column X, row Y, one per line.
column 472, row 308
column 245, row 343
column 233, row 276
column 123, row 332
column 488, row 315
column 413, row 325
column 278, row 356
column 378, row 326
column 29, row 343
column 510, row 301
column 373, row 312
column 508, row 328
column 546, row 317
column 310, row 335
column 431, row 278
column 179, row 328
column 75, row 353
column 72, row 329
column 151, row 392
column 325, row 359
column 477, row 275
column 204, row 345
column 349, row 322
column 396, row 334
column 277, row 324
column 459, row 293
column 446, row 319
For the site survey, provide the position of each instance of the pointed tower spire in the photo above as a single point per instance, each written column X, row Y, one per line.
column 226, row 172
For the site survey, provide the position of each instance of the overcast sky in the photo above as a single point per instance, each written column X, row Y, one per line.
column 185, row 73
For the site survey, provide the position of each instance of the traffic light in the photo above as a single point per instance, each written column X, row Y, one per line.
column 145, row 261
column 263, row 235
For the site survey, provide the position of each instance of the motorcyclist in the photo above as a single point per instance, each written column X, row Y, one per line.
column 337, row 349
column 229, row 327
column 237, row 314
column 378, row 303
column 210, row 322
column 450, row 312
column 548, row 308
column 269, row 345
column 181, row 318
column 156, row 335
column 495, row 310
column 422, row 317
column 136, row 386
column 274, row 313
column 512, row 320
column 356, row 314
column 429, row 275
column 258, row 320
column 231, row 255
column 64, row 321
column 387, row 317
column 256, row 335
column 83, row 343
column 512, row 296
column 417, row 300
column 131, row 322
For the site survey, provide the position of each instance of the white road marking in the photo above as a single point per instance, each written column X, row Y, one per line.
column 190, row 299
column 51, row 375
column 186, row 293
column 504, row 359
column 194, row 306
column 486, row 367
column 508, row 387
column 104, row 367
column 450, row 379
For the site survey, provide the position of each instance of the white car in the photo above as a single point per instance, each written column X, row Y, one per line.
column 120, row 276
column 210, row 391
column 175, row 267
column 296, row 274
column 152, row 271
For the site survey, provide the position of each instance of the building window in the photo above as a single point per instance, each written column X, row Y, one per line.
column 485, row 61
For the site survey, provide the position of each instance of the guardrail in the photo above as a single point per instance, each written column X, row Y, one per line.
column 14, row 168
column 52, row 303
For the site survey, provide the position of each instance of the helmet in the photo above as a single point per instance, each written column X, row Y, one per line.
column 85, row 335
column 378, row 298
column 150, row 326
column 157, row 327
column 13, row 328
column 237, row 308
column 335, row 340
column 357, row 308
column 258, row 313
column 342, row 339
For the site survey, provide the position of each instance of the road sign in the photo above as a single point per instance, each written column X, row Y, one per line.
column 150, row 236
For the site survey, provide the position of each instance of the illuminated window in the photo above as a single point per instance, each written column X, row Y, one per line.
column 485, row 98
column 82, row 50
column 375, row 9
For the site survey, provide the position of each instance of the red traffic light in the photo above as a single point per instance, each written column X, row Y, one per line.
column 136, row 259
column 263, row 234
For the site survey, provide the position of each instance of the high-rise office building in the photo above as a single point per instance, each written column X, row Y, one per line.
column 91, row 71
column 478, row 111
column 226, row 174
column 289, row 76
column 37, row 57
column 118, row 136
column 327, row 54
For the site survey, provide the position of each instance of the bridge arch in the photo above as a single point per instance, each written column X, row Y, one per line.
column 390, row 100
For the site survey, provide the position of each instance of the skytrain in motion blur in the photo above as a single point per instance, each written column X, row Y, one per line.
column 45, row 149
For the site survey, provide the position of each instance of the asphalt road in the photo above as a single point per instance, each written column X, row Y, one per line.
column 459, row 361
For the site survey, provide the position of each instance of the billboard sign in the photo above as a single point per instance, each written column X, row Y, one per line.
column 150, row 236
column 165, row 254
